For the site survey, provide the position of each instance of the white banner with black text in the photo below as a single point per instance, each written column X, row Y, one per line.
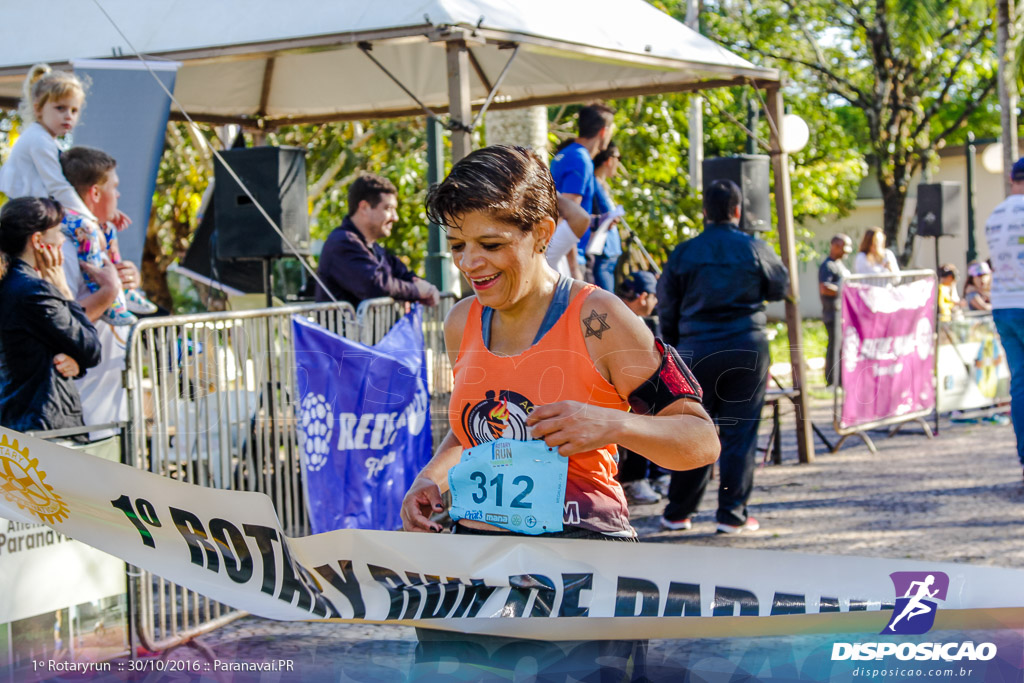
column 229, row 546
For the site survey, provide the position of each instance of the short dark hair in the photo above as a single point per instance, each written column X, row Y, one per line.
column 510, row 184
column 85, row 167
column 612, row 150
column 593, row 118
column 20, row 219
column 371, row 187
column 721, row 200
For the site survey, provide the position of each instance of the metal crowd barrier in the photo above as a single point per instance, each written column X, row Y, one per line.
column 376, row 316
column 211, row 403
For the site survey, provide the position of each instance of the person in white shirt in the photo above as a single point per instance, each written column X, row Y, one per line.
column 874, row 258
column 102, row 389
column 1004, row 232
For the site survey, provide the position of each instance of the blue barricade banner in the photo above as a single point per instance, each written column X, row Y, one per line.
column 364, row 423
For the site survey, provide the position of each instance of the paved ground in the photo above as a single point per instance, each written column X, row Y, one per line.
column 957, row 498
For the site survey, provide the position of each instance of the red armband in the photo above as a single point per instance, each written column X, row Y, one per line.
column 671, row 382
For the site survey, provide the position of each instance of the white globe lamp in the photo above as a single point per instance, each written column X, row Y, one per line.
column 992, row 158
column 795, row 134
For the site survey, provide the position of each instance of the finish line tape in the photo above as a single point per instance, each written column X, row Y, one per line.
column 229, row 546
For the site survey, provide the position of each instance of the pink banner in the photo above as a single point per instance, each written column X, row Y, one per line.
column 888, row 353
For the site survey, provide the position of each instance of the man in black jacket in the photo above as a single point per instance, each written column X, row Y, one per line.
column 353, row 266
column 711, row 304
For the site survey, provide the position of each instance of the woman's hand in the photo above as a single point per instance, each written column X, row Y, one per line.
column 66, row 365
column 50, row 264
column 422, row 500
column 575, row 427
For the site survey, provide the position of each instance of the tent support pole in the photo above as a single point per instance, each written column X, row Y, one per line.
column 459, row 105
column 438, row 258
column 696, row 155
column 787, row 242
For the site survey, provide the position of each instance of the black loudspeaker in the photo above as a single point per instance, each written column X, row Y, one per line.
column 750, row 173
column 201, row 259
column 276, row 177
column 939, row 209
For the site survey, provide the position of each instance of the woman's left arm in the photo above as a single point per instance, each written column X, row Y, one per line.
column 679, row 435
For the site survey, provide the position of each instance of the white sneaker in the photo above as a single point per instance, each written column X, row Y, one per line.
column 676, row 525
column 661, row 484
column 137, row 303
column 750, row 525
column 640, row 492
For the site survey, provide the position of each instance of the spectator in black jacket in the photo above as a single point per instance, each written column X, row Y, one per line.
column 711, row 304
column 45, row 337
column 353, row 266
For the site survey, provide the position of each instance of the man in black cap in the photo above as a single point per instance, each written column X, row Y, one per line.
column 711, row 304
column 638, row 291
column 1005, row 234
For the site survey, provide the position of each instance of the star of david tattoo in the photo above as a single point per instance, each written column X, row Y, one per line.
column 595, row 324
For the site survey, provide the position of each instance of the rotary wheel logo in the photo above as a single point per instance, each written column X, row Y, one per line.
column 316, row 422
column 22, row 483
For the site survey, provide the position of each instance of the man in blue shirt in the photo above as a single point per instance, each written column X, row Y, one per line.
column 603, row 257
column 573, row 165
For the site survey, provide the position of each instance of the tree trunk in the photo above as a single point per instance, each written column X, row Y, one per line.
column 894, row 198
column 527, row 127
column 1007, row 89
column 153, row 269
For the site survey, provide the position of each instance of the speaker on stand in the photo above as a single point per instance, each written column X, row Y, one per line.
column 939, row 212
column 750, row 172
column 276, row 178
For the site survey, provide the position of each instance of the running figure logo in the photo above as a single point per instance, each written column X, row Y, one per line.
column 914, row 612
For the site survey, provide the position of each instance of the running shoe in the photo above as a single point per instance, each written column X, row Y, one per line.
column 750, row 525
column 676, row 525
column 661, row 484
column 640, row 492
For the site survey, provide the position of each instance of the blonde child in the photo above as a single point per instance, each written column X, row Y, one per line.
column 50, row 109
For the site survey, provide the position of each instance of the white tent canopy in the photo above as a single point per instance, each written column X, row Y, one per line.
column 266, row 64
column 245, row 60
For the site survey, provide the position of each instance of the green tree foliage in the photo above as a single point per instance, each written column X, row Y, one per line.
column 336, row 153
column 654, row 188
column 186, row 168
column 910, row 73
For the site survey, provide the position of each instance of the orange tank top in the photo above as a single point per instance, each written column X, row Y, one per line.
column 493, row 395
